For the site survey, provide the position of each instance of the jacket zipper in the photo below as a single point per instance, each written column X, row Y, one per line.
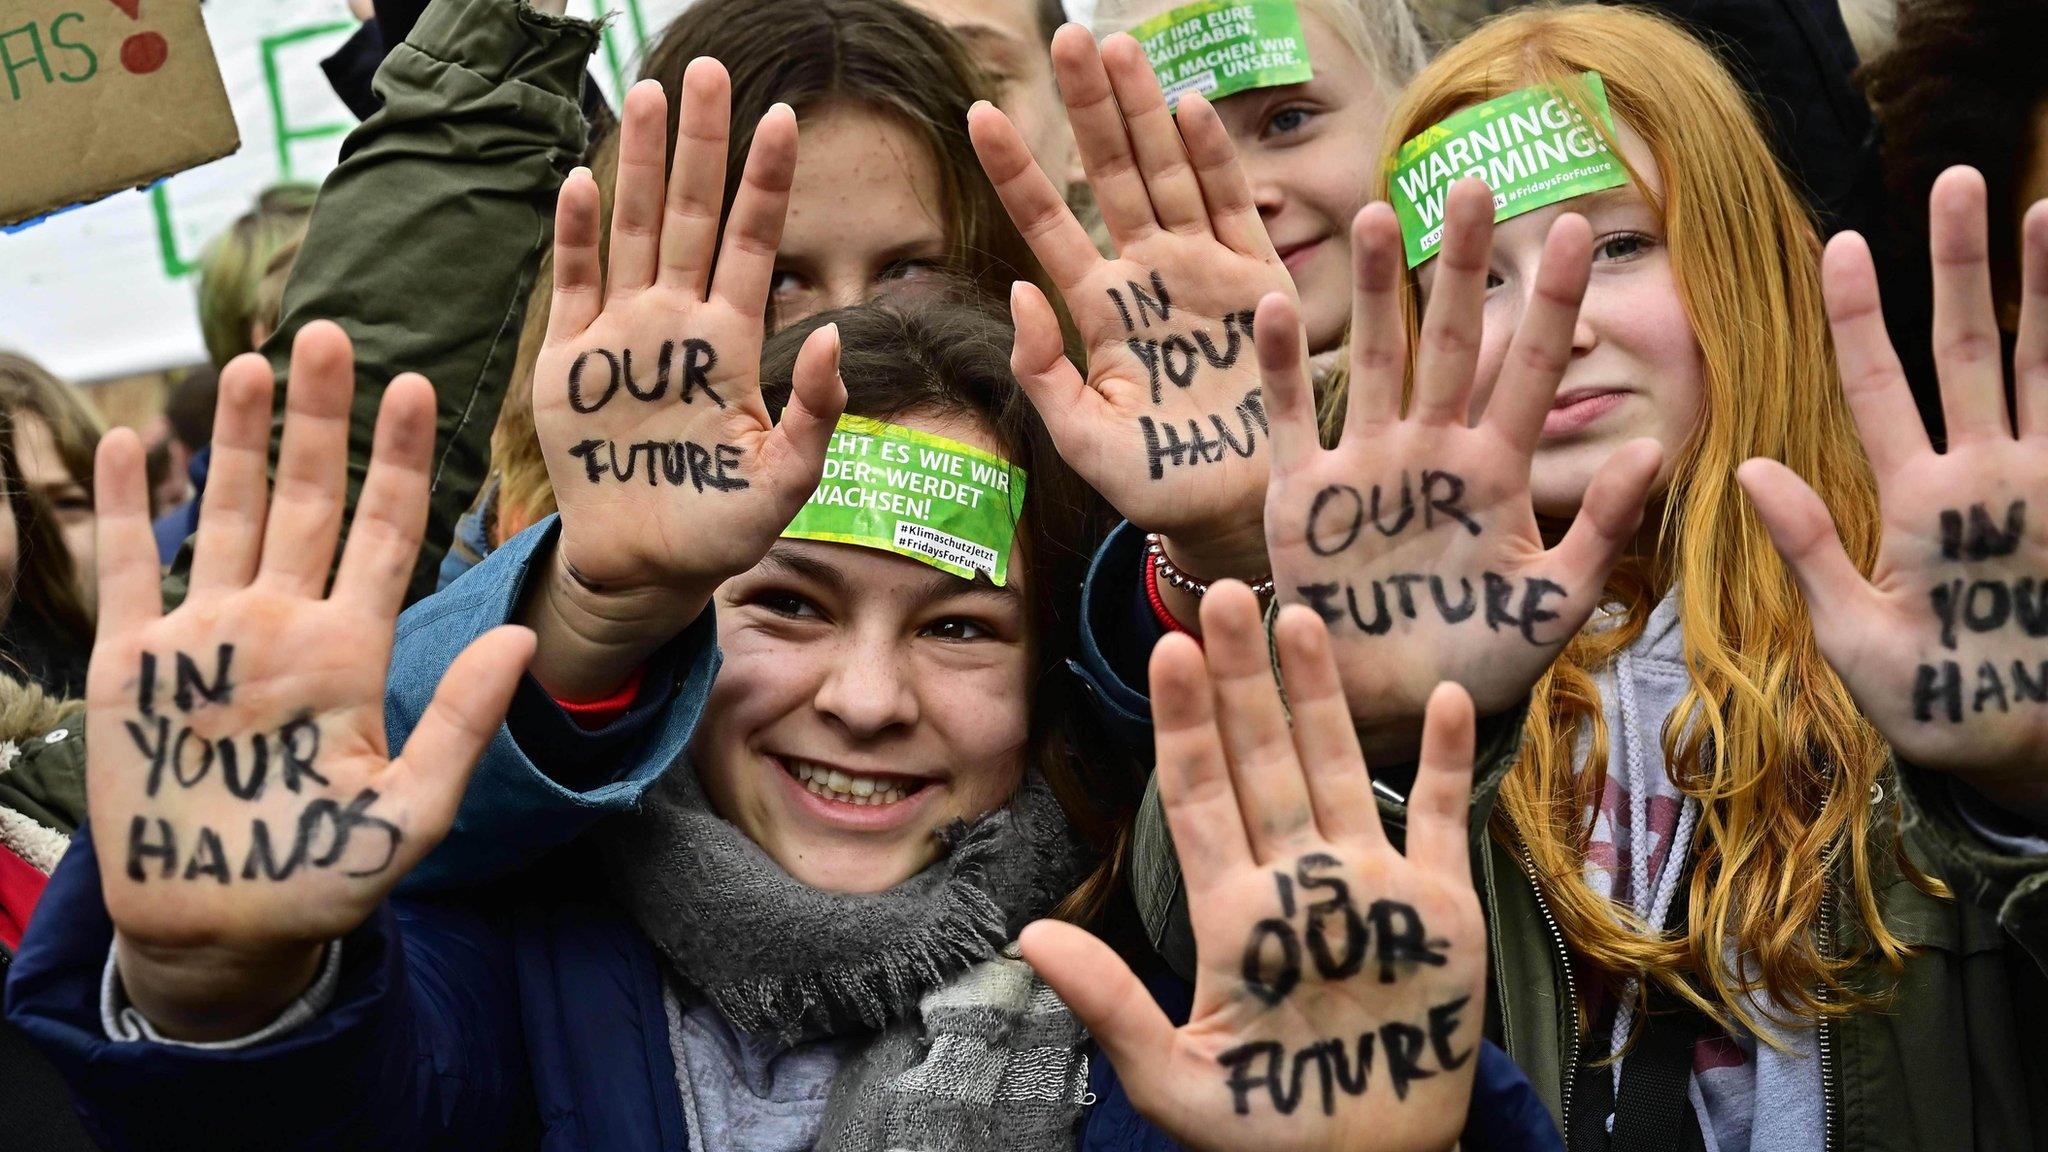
column 1571, row 992
column 1824, row 1032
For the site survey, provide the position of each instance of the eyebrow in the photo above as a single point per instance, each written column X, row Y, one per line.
column 972, row 33
column 1625, row 196
column 938, row 586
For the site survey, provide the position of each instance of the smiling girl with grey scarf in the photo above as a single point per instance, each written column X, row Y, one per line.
column 832, row 823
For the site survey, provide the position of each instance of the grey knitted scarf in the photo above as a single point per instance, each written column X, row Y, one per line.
column 971, row 1051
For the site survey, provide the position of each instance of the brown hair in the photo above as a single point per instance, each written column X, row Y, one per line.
column 45, row 577
column 874, row 54
column 26, row 386
column 947, row 354
column 1766, row 738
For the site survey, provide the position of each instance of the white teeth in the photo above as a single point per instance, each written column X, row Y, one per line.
column 832, row 784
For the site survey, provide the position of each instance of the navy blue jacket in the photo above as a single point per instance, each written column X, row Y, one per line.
column 503, row 1001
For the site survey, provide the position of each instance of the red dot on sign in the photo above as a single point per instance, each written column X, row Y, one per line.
column 144, row 52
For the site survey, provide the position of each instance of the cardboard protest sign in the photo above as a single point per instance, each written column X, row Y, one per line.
column 105, row 95
column 1222, row 47
column 1532, row 147
column 947, row 504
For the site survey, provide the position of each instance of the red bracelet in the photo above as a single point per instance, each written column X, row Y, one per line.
column 1159, row 611
column 590, row 714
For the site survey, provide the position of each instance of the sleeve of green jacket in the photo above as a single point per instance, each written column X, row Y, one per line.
column 2011, row 886
column 426, row 240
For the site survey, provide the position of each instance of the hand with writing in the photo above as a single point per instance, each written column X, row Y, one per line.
column 1945, row 646
column 244, row 805
column 1414, row 538
column 1169, row 424
column 666, row 468
column 1340, row 985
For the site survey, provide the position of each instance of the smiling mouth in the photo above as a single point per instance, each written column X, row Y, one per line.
column 1293, row 256
column 857, row 789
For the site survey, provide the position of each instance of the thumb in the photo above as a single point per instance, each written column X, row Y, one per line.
column 1804, row 534
column 1103, row 992
column 467, row 710
column 1038, row 357
column 1608, row 516
column 816, row 398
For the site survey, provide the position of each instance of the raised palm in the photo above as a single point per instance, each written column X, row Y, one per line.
column 241, row 791
column 1414, row 538
column 1339, row 985
column 1169, row 423
column 1945, row 646
column 667, row 469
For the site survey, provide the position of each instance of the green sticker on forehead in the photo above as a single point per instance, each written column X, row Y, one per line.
column 1532, row 147
column 1221, row 47
column 938, row 501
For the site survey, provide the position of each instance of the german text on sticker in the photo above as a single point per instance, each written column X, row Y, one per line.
column 1222, row 47
column 938, row 501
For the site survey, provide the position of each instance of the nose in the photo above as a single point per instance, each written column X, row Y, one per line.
column 845, row 291
column 869, row 691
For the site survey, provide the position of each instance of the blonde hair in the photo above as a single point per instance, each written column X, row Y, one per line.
column 234, row 265
column 1766, row 738
column 1381, row 33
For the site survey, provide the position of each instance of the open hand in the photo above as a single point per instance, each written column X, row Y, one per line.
column 1340, row 985
column 667, row 470
column 1945, row 646
column 244, row 804
column 1414, row 538
column 1169, row 424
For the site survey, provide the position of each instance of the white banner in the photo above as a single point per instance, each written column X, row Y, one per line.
column 108, row 289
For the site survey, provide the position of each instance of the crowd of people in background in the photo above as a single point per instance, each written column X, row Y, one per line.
column 919, row 581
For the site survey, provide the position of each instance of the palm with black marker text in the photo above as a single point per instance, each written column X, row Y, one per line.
column 244, row 804
column 669, row 474
column 1168, row 424
column 1414, row 538
column 1945, row 645
column 1340, row 985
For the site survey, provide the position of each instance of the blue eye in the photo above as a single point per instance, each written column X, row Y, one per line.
column 1286, row 120
column 1622, row 246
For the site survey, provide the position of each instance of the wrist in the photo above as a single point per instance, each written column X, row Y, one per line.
column 591, row 637
column 1176, row 585
column 210, row 993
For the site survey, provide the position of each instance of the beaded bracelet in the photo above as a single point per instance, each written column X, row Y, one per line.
column 1155, row 551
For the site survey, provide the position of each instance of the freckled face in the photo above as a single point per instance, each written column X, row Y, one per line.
column 43, row 471
column 1636, row 368
column 1307, row 150
column 865, row 216
column 865, row 701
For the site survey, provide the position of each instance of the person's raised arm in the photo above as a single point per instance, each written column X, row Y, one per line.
column 242, row 797
column 427, row 238
column 1169, row 423
column 1414, row 538
column 1341, row 984
column 667, row 471
column 1942, row 646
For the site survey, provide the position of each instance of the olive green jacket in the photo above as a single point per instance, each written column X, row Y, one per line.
column 425, row 242
column 1956, row 1060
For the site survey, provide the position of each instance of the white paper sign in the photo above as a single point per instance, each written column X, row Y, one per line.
column 108, row 289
